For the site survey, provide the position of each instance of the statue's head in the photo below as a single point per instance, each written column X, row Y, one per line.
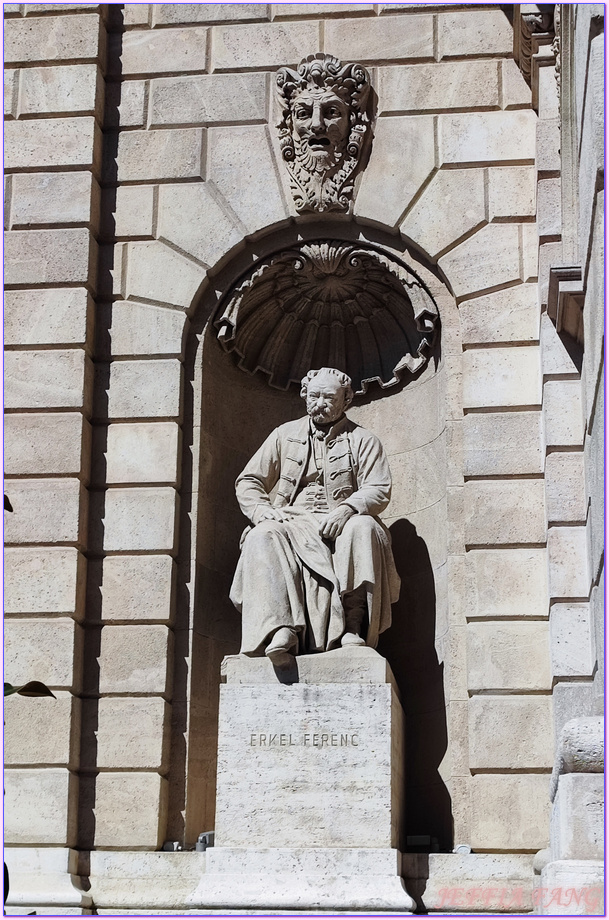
column 328, row 394
column 325, row 116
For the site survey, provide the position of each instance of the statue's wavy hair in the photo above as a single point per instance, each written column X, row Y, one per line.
column 350, row 82
column 343, row 379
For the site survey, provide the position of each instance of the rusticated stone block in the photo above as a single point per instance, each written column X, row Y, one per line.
column 578, row 817
column 49, row 257
column 496, row 377
column 508, row 656
column 47, row 379
column 549, row 207
column 504, row 511
column 487, row 137
column 396, row 38
column 136, row 14
column 502, row 443
column 515, row 91
column 510, row 315
column 52, row 142
column 509, row 812
column 565, row 493
column 488, row 258
column 135, row 659
column 134, row 215
column 40, row 807
column 281, row 10
column 460, row 85
column 28, row 438
column 140, row 519
column 144, row 389
column 44, row 580
column 46, row 511
column 571, row 640
column 156, row 272
column 132, row 734
column 130, row 810
column 55, row 316
column 142, row 329
column 173, row 13
column 62, row 38
column 568, row 562
column 143, row 452
column 60, row 90
column 54, row 198
column 164, row 51
column 137, row 588
column 42, row 731
column 238, row 47
column 506, row 583
column 511, row 191
column 11, row 86
column 452, row 204
column 204, row 100
column 488, row 32
column 177, row 153
column 43, row 649
column 563, row 413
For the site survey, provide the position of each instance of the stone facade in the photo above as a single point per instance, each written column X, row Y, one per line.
column 144, row 181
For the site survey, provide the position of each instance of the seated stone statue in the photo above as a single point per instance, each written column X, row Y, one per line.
column 316, row 570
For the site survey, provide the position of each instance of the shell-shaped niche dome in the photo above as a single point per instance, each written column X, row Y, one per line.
column 329, row 304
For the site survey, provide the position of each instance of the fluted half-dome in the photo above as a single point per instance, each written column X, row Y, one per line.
column 329, row 304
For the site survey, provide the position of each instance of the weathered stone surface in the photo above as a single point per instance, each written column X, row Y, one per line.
column 143, row 329
column 565, row 495
column 62, row 38
column 120, row 878
column 358, row 665
column 488, row 32
column 510, row 315
column 130, row 809
column 488, row 258
column 238, row 157
column 46, row 511
column 426, row 87
column 49, row 257
column 137, row 588
column 135, row 659
column 510, row 812
column 549, row 207
column 47, row 379
column 156, row 272
column 132, row 734
column 515, row 91
column 563, row 413
column 511, row 192
column 44, row 580
column 131, row 111
column 239, row 47
column 177, row 153
column 555, row 357
column 60, row 90
column 40, row 807
column 143, row 452
column 571, row 640
column 42, row 731
column 529, row 243
column 502, row 443
column 28, row 439
column 547, row 154
column 173, row 13
column 487, row 137
column 43, row 649
column 508, row 511
column 572, row 887
column 134, row 215
column 54, row 198
column 136, row 14
column 568, row 562
column 55, row 316
column 508, row 656
column 418, row 476
column 144, row 389
column 140, row 519
column 164, row 51
column 51, row 142
column 578, row 817
column 205, row 100
column 48, row 875
column 525, row 741
column 283, row 10
column 11, row 85
column 387, row 189
column 451, row 206
column 392, row 38
column 193, row 219
column 506, row 583
column 501, row 377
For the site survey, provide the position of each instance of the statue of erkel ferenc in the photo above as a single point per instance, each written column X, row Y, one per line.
column 316, row 570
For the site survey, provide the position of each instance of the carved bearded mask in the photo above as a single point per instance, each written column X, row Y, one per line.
column 323, row 130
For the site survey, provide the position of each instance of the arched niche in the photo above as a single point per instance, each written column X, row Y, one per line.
column 233, row 410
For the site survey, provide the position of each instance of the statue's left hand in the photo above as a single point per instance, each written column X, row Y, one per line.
column 332, row 525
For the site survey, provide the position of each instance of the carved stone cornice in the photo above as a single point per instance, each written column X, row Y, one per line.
column 329, row 303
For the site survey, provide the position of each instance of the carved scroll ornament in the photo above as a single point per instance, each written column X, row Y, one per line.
column 329, row 304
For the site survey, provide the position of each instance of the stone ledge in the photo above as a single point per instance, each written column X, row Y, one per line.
column 341, row 666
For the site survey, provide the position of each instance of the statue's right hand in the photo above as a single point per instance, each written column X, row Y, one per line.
column 267, row 513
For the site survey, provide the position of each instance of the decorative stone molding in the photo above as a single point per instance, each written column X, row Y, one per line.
column 534, row 41
column 566, row 300
column 580, row 749
column 324, row 132
column 333, row 304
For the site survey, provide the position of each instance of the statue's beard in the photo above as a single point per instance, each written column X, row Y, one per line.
column 321, row 162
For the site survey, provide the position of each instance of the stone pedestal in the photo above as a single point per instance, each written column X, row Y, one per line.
column 310, row 787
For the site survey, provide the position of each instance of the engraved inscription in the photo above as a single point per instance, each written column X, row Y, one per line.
column 307, row 739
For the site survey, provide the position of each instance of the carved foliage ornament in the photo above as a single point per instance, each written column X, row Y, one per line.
column 324, row 131
column 329, row 304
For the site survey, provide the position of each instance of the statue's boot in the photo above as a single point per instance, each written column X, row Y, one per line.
column 282, row 647
column 355, row 607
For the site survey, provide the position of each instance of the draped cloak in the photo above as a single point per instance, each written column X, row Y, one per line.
column 287, row 574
